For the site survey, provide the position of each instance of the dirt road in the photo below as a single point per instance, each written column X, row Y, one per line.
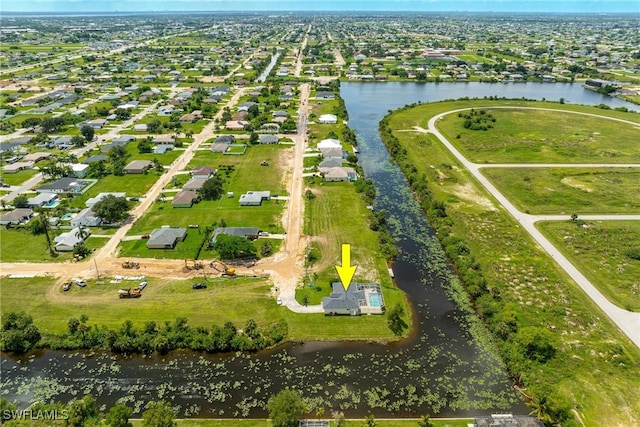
column 285, row 268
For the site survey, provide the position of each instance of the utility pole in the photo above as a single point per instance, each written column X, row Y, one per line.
column 96, row 264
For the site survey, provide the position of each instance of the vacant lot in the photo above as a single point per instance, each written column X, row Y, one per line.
column 235, row 299
column 603, row 251
column 556, row 191
column 19, row 177
column 19, row 245
column 536, row 136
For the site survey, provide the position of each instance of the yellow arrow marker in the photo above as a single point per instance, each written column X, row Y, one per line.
column 346, row 271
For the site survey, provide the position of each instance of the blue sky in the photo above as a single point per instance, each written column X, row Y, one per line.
column 571, row 6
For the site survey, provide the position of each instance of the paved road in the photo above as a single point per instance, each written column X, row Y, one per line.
column 627, row 321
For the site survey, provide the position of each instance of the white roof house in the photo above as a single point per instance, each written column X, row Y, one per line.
column 329, row 143
column 328, row 119
column 254, row 198
column 41, row 199
column 80, row 170
column 69, row 240
column 86, row 218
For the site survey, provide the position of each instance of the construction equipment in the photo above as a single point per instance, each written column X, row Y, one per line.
column 130, row 265
column 196, row 265
column 226, row 270
column 129, row 293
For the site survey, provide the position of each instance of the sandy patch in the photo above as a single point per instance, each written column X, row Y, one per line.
column 469, row 193
column 573, row 183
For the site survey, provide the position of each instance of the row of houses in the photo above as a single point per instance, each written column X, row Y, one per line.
column 331, row 167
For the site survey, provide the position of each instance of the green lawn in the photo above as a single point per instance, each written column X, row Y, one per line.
column 19, row 177
column 135, row 185
column 186, row 249
column 592, row 370
column 19, row 245
column 598, row 249
column 533, row 136
column 248, row 174
column 334, row 217
column 556, row 191
column 235, row 299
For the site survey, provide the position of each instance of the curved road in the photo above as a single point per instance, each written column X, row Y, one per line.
column 627, row 321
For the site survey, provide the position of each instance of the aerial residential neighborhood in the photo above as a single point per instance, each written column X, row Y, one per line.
column 420, row 217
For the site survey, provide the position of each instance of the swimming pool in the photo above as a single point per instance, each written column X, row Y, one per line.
column 66, row 217
column 375, row 300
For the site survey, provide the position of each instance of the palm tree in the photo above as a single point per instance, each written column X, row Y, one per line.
column 44, row 220
column 82, row 233
column 540, row 408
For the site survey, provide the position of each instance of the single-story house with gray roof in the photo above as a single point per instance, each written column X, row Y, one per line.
column 16, row 216
column 357, row 299
column 64, row 185
column 162, row 148
column 184, row 199
column 138, row 166
column 254, row 198
column 250, row 233
column 194, row 184
column 41, row 200
column 269, row 139
column 95, row 158
column 166, row 237
column 17, row 167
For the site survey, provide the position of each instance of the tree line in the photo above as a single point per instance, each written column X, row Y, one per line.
column 19, row 334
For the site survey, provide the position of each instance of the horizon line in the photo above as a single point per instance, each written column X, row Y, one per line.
column 595, row 12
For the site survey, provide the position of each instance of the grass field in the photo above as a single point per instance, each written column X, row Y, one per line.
column 19, row 245
column 598, row 249
column 19, row 177
column 534, row 136
column 335, row 219
column 592, row 369
column 236, row 299
column 564, row 191
column 132, row 185
column 248, row 174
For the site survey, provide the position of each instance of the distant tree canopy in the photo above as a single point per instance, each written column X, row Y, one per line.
column 111, row 208
column 88, row 132
column 212, row 189
column 21, row 201
column 159, row 414
column 18, row 333
column 234, row 246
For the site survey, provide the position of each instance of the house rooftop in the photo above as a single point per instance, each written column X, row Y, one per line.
column 246, row 232
column 166, row 236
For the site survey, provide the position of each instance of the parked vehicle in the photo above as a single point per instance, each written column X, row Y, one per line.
column 142, row 285
column 199, row 286
column 81, row 283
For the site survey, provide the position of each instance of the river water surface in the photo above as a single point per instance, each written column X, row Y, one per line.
column 446, row 367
